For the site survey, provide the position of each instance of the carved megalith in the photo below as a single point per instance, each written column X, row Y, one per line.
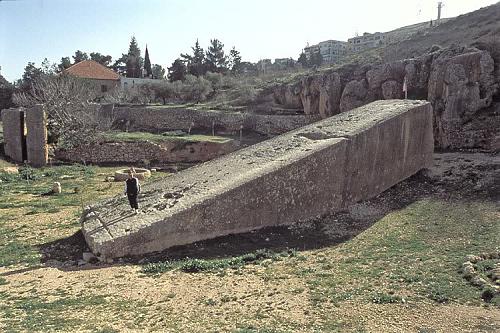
column 314, row 170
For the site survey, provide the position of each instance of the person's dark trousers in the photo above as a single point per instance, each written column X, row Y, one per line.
column 132, row 199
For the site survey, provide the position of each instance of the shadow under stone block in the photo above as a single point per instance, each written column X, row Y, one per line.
column 314, row 170
column 13, row 133
column 36, row 139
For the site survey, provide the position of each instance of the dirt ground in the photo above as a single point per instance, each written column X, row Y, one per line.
column 374, row 268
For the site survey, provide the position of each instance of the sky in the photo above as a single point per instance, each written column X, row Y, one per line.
column 31, row 30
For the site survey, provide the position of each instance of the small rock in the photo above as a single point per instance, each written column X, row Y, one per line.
column 473, row 259
column 89, row 256
column 56, row 188
column 153, row 170
column 109, row 260
column 81, row 262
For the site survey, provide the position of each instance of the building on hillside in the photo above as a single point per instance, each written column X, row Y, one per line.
column 134, row 82
column 331, row 50
column 105, row 78
column 367, row 41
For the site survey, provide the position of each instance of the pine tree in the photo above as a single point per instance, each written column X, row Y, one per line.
column 196, row 62
column 177, row 71
column 134, row 59
column 234, row 61
column 80, row 56
column 303, row 60
column 65, row 63
column 100, row 58
column 216, row 61
column 147, row 64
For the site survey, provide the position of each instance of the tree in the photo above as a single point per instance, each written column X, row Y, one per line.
column 216, row 60
column 100, row 58
column 196, row 62
column 72, row 118
column 147, row 64
column 316, row 59
column 158, row 72
column 65, row 63
column 234, row 61
column 6, row 91
column 134, row 60
column 120, row 65
column 30, row 75
column 303, row 60
column 196, row 88
column 177, row 71
column 80, row 56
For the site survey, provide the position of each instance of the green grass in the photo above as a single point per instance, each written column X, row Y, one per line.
column 211, row 265
column 21, row 198
column 144, row 136
column 418, row 250
column 37, row 314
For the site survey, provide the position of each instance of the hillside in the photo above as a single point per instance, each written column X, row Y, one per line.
column 465, row 30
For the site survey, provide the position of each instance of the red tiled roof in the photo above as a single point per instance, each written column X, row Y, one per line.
column 90, row 69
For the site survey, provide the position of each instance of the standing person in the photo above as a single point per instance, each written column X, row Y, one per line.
column 132, row 189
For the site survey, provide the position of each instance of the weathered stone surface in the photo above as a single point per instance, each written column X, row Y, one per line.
column 36, row 138
column 309, row 95
column 330, row 92
column 13, row 133
column 460, row 82
column 354, row 95
column 392, row 90
column 154, row 152
column 154, row 119
column 314, row 170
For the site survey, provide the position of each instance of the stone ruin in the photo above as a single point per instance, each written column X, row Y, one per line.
column 311, row 171
column 25, row 135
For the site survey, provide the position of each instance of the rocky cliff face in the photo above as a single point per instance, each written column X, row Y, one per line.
column 461, row 83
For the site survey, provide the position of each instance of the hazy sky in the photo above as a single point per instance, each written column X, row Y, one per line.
column 31, row 30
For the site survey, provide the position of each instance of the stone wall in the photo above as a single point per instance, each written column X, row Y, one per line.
column 308, row 172
column 13, row 134
column 157, row 119
column 141, row 151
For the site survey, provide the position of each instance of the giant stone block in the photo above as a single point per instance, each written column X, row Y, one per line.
column 317, row 169
column 36, row 138
column 13, row 133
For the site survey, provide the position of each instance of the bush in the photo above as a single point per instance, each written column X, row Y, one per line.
column 195, row 89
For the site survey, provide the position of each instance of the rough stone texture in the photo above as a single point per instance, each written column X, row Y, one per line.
column 140, row 151
column 155, row 119
column 330, row 92
column 36, row 138
column 13, row 133
column 354, row 95
column 461, row 84
column 392, row 90
column 314, row 170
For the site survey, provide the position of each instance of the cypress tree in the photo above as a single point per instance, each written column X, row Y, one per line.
column 147, row 64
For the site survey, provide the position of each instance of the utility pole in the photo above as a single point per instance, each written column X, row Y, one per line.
column 440, row 6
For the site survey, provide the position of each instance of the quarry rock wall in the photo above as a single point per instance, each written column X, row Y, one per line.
column 460, row 83
column 317, row 169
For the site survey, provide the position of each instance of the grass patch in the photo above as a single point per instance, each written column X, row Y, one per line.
column 417, row 250
column 158, row 138
column 210, row 265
